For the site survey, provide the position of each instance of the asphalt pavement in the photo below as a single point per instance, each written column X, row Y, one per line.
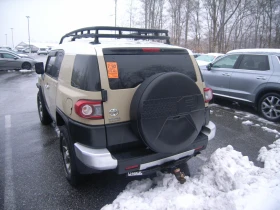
column 31, row 169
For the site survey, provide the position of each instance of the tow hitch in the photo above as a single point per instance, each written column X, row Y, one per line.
column 180, row 176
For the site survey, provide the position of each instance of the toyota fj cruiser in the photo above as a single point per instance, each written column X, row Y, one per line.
column 128, row 104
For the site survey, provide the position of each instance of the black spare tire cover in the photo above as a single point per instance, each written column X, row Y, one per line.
column 167, row 112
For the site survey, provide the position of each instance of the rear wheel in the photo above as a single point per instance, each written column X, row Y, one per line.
column 69, row 158
column 44, row 116
column 26, row 65
column 269, row 106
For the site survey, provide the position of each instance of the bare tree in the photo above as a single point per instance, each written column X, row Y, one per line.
column 216, row 25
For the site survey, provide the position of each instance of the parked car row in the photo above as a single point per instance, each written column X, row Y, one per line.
column 39, row 51
column 204, row 59
column 12, row 61
column 250, row 76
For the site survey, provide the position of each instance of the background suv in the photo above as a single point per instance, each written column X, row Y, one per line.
column 134, row 107
column 248, row 75
column 42, row 51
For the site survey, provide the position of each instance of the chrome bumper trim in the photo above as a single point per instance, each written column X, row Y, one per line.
column 209, row 130
column 167, row 159
column 100, row 159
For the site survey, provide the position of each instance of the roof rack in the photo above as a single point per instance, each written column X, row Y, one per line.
column 120, row 32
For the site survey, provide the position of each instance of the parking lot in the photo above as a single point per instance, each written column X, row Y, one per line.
column 30, row 161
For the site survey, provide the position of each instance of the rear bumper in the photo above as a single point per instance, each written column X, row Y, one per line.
column 209, row 130
column 102, row 159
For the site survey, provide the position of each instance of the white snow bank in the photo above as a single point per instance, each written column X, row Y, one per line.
column 228, row 181
column 248, row 122
column 270, row 130
column 271, row 158
column 25, row 70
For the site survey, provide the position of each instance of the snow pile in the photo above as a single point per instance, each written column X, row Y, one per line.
column 25, row 70
column 248, row 122
column 271, row 158
column 269, row 130
column 228, row 181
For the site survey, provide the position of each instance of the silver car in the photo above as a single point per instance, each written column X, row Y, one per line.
column 248, row 75
column 11, row 61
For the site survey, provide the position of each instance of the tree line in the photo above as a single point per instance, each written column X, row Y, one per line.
column 213, row 25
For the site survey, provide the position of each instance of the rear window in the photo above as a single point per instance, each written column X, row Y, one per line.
column 133, row 69
column 254, row 62
column 85, row 75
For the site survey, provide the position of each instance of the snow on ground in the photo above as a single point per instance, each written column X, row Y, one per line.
column 228, row 181
column 255, row 117
column 270, row 130
column 247, row 122
column 25, row 70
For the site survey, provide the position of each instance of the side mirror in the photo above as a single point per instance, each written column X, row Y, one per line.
column 209, row 66
column 15, row 58
column 39, row 68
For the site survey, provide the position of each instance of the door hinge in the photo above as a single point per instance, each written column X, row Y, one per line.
column 104, row 95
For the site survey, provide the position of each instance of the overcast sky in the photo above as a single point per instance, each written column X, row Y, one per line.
column 51, row 19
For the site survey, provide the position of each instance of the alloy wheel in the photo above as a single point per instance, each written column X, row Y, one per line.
column 270, row 107
column 40, row 108
column 66, row 156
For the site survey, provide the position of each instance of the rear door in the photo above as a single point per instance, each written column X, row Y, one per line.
column 50, row 79
column 9, row 61
column 126, row 68
column 2, row 62
column 252, row 72
column 219, row 76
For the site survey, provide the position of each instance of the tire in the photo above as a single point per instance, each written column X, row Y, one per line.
column 69, row 158
column 269, row 106
column 26, row 65
column 44, row 116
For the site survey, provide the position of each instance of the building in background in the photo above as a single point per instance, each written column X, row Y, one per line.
column 24, row 46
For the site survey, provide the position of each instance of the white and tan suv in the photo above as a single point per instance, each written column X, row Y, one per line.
column 124, row 104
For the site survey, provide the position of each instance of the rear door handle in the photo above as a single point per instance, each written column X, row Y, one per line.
column 261, row 77
column 226, row 74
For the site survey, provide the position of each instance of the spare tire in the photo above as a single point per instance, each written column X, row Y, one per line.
column 167, row 112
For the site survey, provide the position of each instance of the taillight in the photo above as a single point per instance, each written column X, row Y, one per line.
column 89, row 109
column 151, row 49
column 208, row 94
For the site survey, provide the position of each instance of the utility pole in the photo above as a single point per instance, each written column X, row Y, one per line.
column 115, row 13
column 130, row 13
column 6, row 40
column 12, row 38
column 28, row 33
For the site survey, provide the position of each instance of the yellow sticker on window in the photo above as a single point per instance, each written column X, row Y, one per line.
column 112, row 69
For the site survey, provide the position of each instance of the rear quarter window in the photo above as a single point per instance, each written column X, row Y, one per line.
column 134, row 69
column 85, row 75
column 254, row 62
